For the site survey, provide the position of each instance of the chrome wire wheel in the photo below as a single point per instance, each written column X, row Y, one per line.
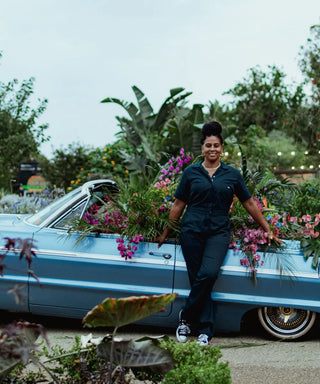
column 285, row 322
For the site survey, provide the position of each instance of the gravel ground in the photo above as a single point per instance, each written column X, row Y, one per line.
column 253, row 357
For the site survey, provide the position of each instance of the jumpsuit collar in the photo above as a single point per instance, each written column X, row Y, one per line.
column 199, row 165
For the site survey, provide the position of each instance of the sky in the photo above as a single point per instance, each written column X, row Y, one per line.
column 82, row 51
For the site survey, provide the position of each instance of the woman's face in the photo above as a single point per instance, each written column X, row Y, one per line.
column 212, row 148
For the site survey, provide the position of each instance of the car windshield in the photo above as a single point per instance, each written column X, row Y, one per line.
column 42, row 215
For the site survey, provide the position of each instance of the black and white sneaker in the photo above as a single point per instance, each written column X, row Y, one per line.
column 183, row 330
column 203, row 339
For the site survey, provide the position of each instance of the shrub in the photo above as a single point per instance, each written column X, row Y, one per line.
column 195, row 364
column 306, row 200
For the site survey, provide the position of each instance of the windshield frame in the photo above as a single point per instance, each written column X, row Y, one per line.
column 54, row 209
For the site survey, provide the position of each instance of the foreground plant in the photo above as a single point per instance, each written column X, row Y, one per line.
column 129, row 353
column 17, row 340
column 17, row 344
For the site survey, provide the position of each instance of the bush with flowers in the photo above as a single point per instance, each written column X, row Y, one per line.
column 252, row 241
column 102, row 163
column 136, row 216
column 142, row 216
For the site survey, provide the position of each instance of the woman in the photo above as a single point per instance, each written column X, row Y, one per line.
column 207, row 189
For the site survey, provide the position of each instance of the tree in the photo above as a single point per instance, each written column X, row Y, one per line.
column 262, row 99
column 306, row 124
column 20, row 137
column 65, row 165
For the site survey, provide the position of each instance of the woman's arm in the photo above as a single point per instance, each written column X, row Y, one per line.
column 252, row 208
column 174, row 215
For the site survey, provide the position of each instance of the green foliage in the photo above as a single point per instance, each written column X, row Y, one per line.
column 310, row 58
column 282, row 151
column 182, row 130
column 144, row 132
column 304, row 200
column 68, row 364
column 307, row 120
column 20, row 135
column 260, row 99
column 65, row 165
column 195, row 364
column 102, row 163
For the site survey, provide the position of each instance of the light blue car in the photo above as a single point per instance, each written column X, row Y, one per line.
column 75, row 278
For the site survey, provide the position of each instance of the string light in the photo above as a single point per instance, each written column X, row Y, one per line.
column 279, row 153
column 293, row 153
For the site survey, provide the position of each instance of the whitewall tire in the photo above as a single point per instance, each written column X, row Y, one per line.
column 285, row 322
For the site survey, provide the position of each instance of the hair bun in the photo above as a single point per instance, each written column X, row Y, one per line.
column 212, row 128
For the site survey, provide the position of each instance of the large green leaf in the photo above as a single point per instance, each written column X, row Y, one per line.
column 197, row 114
column 167, row 107
column 118, row 312
column 129, row 107
column 135, row 354
column 175, row 91
column 144, row 105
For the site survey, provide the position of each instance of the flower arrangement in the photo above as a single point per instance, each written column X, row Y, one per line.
column 142, row 216
column 136, row 216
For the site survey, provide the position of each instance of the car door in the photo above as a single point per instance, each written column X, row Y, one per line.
column 77, row 276
column 14, row 271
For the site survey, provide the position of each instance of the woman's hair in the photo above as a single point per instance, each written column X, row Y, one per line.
column 213, row 128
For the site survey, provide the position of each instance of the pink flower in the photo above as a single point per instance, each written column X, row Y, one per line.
column 306, row 218
column 244, row 262
column 257, row 257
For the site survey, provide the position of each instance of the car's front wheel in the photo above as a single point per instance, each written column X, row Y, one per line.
column 286, row 323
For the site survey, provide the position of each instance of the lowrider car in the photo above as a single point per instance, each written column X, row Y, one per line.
column 77, row 276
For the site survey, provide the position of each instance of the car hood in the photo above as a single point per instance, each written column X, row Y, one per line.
column 8, row 221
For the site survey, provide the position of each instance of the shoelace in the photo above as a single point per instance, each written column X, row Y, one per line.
column 183, row 329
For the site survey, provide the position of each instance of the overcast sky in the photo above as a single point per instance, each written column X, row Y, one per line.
column 81, row 51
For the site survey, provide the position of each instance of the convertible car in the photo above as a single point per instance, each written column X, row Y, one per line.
column 77, row 276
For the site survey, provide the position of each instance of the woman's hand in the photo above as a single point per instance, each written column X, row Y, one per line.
column 160, row 240
column 272, row 237
column 175, row 212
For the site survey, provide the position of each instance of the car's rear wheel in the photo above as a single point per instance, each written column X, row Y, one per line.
column 285, row 322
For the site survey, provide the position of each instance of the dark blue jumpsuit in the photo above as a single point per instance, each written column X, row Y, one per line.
column 205, row 235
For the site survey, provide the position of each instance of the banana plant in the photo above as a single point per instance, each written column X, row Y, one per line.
column 143, row 130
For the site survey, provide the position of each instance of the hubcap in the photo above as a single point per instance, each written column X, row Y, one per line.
column 286, row 318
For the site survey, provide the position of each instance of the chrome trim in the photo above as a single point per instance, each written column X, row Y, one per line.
column 265, row 271
column 97, row 256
